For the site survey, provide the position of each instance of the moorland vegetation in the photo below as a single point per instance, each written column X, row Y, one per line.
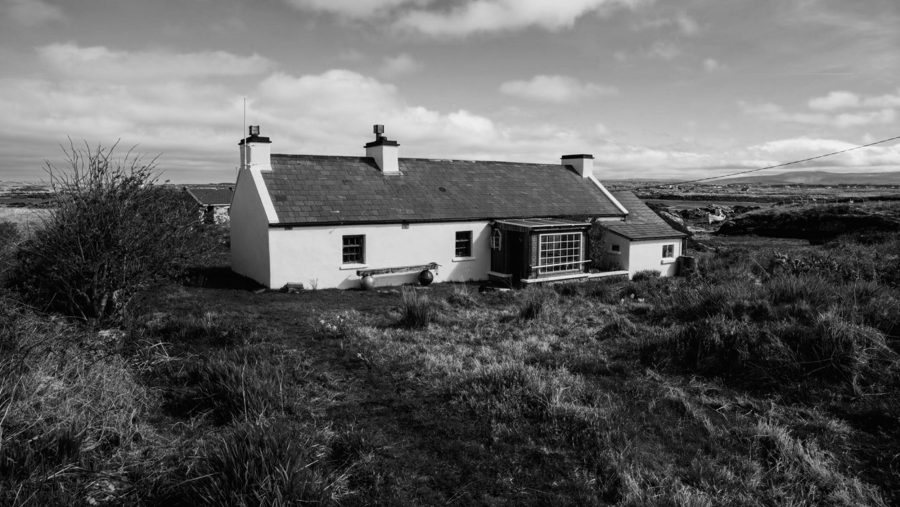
column 768, row 377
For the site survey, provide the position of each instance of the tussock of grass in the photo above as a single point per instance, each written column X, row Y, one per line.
column 275, row 463
column 804, row 473
column 225, row 386
column 538, row 302
column 416, row 310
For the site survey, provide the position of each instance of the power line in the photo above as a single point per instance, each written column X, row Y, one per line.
column 771, row 166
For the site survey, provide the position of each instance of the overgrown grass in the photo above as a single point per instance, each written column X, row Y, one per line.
column 755, row 382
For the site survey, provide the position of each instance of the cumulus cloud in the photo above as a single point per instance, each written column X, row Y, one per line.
column 193, row 118
column 480, row 16
column 664, row 50
column 101, row 63
column 798, row 148
column 32, row 13
column 555, row 88
column 837, row 100
column 683, row 23
column 834, row 100
column 711, row 65
column 774, row 112
column 353, row 9
column 399, row 65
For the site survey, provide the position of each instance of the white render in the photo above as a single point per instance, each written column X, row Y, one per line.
column 249, row 229
column 312, row 255
column 644, row 254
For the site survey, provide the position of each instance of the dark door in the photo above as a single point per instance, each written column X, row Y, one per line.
column 515, row 255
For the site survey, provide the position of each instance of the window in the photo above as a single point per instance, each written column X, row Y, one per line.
column 560, row 252
column 354, row 249
column 615, row 249
column 463, row 243
column 496, row 239
column 668, row 251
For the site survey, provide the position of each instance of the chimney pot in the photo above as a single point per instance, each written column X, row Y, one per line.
column 256, row 150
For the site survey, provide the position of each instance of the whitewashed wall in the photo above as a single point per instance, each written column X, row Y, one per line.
column 249, row 231
column 313, row 255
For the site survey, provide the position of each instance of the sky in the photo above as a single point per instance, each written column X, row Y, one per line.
column 672, row 89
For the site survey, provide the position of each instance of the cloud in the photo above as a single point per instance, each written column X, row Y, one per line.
column 483, row 16
column 834, row 100
column 353, row 9
column 683, row 23
column 399, row 65
column 100, row 63
column 194, row 119
column 31, row 13
column 556, row 89
column 798, row 148
column 663, row 50
column 774, row 112
column 711, row 65
column 837, row 100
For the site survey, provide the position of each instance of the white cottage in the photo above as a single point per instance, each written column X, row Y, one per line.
column 331, row 221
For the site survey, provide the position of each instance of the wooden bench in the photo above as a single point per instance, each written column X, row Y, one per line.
column 398, row 269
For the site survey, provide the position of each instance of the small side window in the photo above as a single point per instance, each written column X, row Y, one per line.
column 615, row 248
column 463, row 243
column 354, row 250
column 668, row 251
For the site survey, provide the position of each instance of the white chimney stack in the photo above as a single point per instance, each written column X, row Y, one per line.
column 386, row 153
column 256, row 151
column 582, row 163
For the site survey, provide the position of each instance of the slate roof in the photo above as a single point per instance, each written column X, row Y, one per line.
column 310, row 189
column 211, row 196
column 642, row 222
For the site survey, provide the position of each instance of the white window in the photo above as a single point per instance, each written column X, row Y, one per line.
column 560, row 252
column 463, row 243
column 354, row 251
column 668, row 251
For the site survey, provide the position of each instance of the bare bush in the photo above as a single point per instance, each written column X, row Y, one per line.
column 112, row 231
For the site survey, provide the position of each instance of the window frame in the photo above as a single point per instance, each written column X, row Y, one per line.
column 615, row 248
column 361, row 255
column 556, row 263
column 467, row 244
column 671, row 248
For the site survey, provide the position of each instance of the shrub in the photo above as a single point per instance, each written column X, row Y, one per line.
column 646, row 274
column 110, row 232
column 9, row 240
column 416, row 309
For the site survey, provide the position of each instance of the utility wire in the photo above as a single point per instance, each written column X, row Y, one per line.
column 769, row 167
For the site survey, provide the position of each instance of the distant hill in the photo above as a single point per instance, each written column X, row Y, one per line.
column 814, row 178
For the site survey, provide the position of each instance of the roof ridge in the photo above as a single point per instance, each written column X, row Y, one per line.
column 416, row 159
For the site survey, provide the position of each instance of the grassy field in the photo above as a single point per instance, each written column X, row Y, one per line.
column 769, row 378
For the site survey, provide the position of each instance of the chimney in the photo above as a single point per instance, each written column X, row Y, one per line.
column 582, row 163
column 256, row 150
column 385, row 152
